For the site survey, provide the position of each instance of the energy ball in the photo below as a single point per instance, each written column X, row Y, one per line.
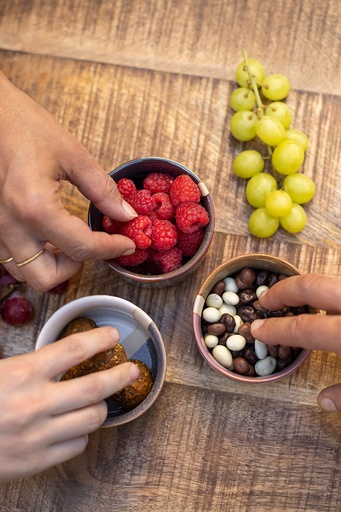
column 131, row 396
column 77, row 325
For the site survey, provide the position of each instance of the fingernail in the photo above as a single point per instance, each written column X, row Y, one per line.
column 114, row 333
column 128, row 208
column 128, row 252
column 134, row 372
column 264, row 292
column 328, row 405
column 256, row 324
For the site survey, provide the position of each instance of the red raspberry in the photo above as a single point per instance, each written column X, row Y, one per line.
column 143, row 202
column 189, row 243
column 169, row 260
column 158, row 182
column 139, row 230
column 190, row 217
column 126, row 187
column 184, row 190
column 164, row 235
column 110, row 225
column 139, row 256
column 164, row 206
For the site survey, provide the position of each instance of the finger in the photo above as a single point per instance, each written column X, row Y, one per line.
column 316, row 290
column 90, row 389
column 97, row 186
column 315, row 332
column 60, row 356
column 330, row 398
column 76, row 423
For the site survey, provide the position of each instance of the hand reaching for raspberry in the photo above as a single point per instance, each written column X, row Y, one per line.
column 40, row 241
column 44, row 421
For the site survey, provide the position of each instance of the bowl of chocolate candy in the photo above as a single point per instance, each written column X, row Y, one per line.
column 226, row 305
column 175, row 223
column 140, row 342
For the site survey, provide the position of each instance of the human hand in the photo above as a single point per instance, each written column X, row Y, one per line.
column 45, row 422
column 319, row 332
column 36, row 153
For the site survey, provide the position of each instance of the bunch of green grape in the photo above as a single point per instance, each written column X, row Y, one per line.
column 275, row 187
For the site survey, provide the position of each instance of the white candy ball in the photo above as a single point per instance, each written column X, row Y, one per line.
column 214, row 300
column 261, row 289
column 211, row 315
column 230, row 285
column 236, row 342
column 222, row 355
column 211, row 340
column 230, row 298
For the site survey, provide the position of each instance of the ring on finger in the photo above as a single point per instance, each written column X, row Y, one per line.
column 8, row 260
column 32, row 258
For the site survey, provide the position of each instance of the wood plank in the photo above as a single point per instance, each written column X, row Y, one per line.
column 184, row 118
column 196, row 37
column 194, row 451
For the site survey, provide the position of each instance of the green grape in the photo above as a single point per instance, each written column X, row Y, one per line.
column 248, row 163
column 278, row 203
column 300, row 188
column 262, row 224
column 298, row 136
column 288, row 157
column 242, row 99
column 270, row 130
column 242, row 125
column 256, row 69
column 295, row 221
column 275, row 87
column 258, row 187
column 280, row 111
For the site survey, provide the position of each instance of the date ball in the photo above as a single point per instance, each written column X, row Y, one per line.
column 131, row 396
column 77, row 325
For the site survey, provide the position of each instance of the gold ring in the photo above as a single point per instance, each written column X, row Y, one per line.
column 30, row 259
column 6, row 261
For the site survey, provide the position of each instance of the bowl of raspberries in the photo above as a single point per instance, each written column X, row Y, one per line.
column 175, row 223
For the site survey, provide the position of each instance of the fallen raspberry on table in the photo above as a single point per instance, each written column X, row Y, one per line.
column 139, row 230
column 190, row 217
column 164, row 235
column 111, row 226
column 126, row 187
column 142, row 201
column 165, row 209
column 189, row 243
column 132, row 260
column 158, row 182
column 184, row 190
column 169, row 260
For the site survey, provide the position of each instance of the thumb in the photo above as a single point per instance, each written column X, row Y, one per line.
column 329, row 398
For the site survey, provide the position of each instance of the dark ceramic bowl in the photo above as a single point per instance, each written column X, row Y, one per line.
column 229, row 268
column 138, row 334
column 136, row 170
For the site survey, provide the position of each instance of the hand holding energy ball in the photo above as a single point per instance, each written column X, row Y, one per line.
column 45, row 422
column 40, row 241
column 319, row 332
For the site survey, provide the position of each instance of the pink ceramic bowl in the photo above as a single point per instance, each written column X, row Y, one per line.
column 228, row 268
column 136, row 170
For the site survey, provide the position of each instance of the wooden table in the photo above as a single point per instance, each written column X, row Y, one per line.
column 139, row 78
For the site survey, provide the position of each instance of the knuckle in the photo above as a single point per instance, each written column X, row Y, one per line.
column 93, row 388
column 96, row 416
column 76, row 348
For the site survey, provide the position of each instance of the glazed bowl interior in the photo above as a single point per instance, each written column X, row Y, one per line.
column 137, row 170
column 139, row 336
column 228, row 268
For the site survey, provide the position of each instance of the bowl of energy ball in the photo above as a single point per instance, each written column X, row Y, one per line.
column 175, row 223
column 226, row 305
column 140, row 342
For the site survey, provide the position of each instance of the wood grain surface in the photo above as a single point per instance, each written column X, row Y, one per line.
column 130, row 79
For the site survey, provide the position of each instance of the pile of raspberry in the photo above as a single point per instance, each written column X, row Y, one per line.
column 170, row 224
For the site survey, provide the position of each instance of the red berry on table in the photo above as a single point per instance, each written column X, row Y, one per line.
column 189, row 243
column 184, row 190
column 164, row 235
column 139, row 230
column 190, row 217
column 158, row 182
column 126, row 187
column 16, row 310
column 165, row 209
column 132, row 260
column 169, row 260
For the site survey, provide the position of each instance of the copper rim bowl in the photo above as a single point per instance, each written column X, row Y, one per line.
column 228, row 268
column 136, row 170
